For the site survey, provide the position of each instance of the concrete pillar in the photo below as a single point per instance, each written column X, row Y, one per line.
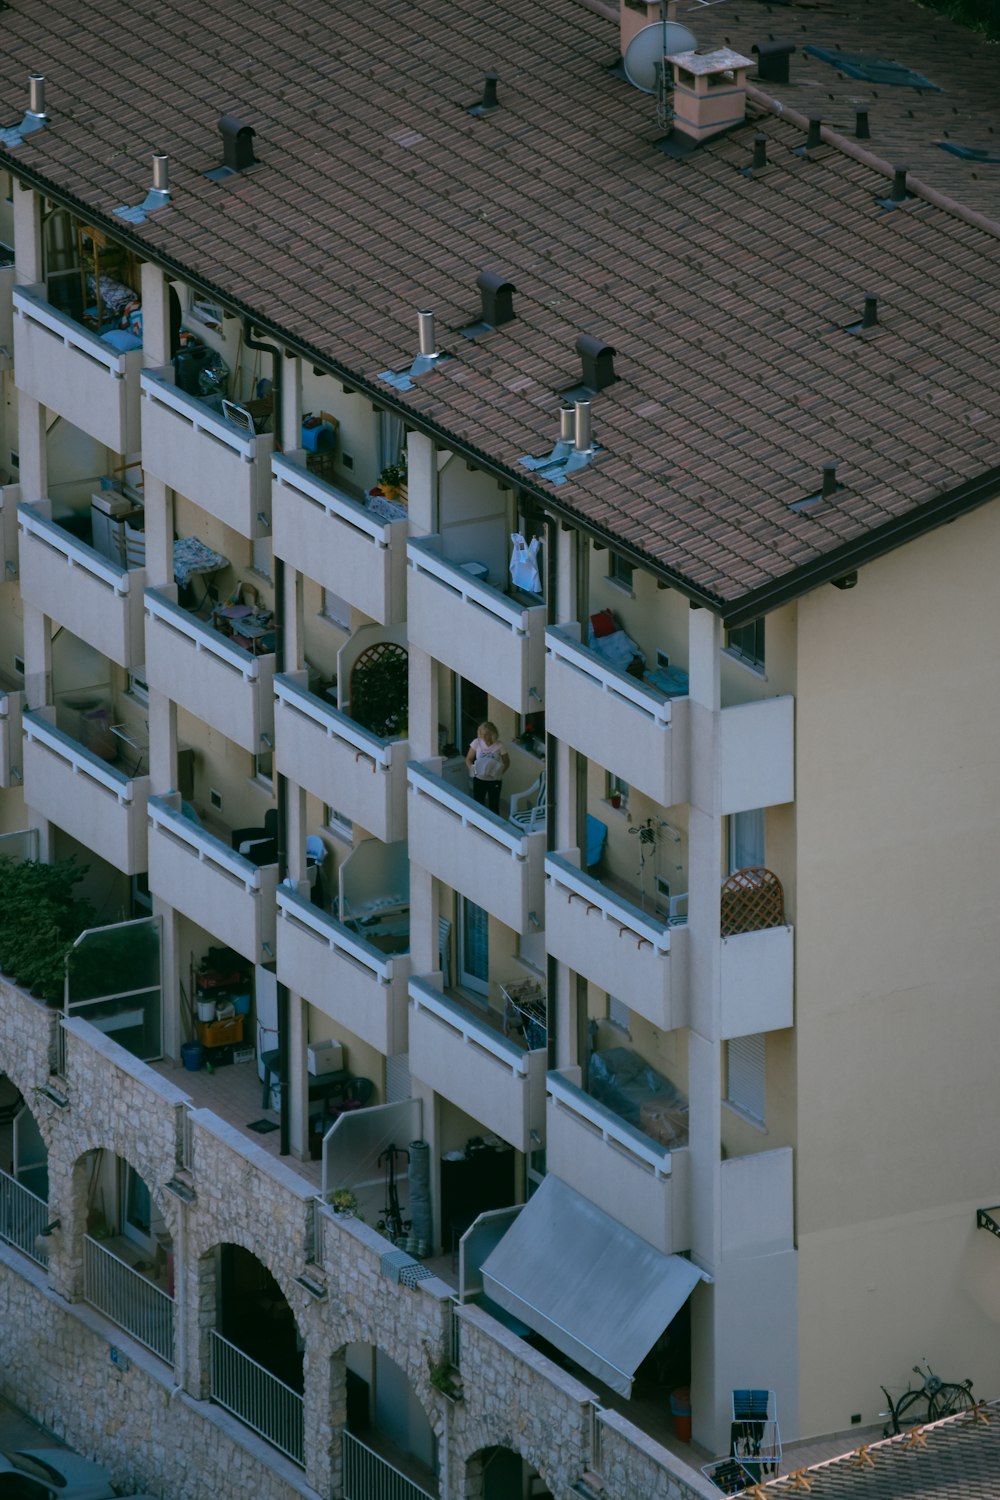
column 564, row 606
column 155, row 317
column 33, row 465
column 421, row 484
column 294, row 621
column 173, row 976
column 295, row 837
column 425, row 909
column 29, row 258
column 324, row 1416
column 298, row 1088
column 162, row 720
column 424, row 705
column 37, row 657
column 158, row 502
column 291, row 404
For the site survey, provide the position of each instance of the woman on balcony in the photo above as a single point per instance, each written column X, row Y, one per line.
column 487, row 761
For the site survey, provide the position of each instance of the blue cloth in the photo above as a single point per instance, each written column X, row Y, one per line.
column 597, row 834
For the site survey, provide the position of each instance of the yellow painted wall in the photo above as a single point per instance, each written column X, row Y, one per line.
column 897, row 965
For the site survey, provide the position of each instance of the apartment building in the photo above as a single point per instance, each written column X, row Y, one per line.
column 348, row 404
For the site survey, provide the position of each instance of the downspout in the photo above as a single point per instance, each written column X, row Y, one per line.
column 551, row 766
column 281, row 785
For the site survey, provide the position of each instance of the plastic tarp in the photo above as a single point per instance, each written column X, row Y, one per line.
column 590, row 1286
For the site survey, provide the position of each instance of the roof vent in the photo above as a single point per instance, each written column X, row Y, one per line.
column 869, row 318
column 772, row 60
column 497, row 294
column 426, row 360
column 861, row 130
column 237, row 148
column 157, row 197
column 814, row 136
column 573, row 451
column 898, row 193
column 709, row 93
column 759, row 161
column 34, row 117
column 489, row 102
column 827, row 490
column 598, row 360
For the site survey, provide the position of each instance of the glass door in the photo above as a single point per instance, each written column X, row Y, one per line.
column 473, row 948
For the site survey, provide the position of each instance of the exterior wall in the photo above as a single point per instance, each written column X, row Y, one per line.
column 897, row 952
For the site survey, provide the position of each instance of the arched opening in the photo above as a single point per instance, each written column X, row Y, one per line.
column 388, row 1432
column 499, row 1473
column 128, row 1254
column 24, row 1176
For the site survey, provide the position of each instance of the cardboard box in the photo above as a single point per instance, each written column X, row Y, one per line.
column 219, row 1033
column 325, row 1057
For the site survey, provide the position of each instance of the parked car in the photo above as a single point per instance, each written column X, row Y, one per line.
column 52, row 1474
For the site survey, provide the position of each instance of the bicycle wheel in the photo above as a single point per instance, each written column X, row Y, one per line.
column 913, row 1409
column 952, row 1398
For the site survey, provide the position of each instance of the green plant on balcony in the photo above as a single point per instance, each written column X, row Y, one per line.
column 380, row 690
column 443, row 1375
column 40, row 916
column 344, row 1201
column 391, row 480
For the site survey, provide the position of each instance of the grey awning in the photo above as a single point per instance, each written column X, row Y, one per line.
column 594, row 1289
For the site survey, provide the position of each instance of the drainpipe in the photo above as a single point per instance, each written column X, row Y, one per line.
column 284, row 1147
column 551, row 773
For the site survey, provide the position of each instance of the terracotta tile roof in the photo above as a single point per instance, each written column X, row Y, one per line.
column 726, row 297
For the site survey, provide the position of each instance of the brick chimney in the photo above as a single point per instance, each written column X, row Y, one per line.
column 709, row 92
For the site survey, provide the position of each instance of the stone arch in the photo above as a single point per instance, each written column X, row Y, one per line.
column 500, row 1471
column 240, row 1297
column 83, row 1167
column 384, row 1411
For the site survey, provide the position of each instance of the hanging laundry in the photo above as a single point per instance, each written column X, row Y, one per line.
column 523, row 564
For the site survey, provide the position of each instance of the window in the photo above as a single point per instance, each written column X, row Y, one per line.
column 336, row 610
column 745, row 1076
column 262, row 558
column 263, row 767
column 747, row 643
column 618, row 1013
column 746, row 840
column 138, row 687
column 620, row 572
column 338, row 823
column 617, row 791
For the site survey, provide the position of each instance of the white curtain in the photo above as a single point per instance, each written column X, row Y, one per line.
column 390, row 439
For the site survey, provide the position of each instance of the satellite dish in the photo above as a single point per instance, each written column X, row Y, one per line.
column 647, row 49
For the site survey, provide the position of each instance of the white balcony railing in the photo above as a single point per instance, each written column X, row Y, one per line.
column 616, row 720
column 333, row 539
column 638, row 1181
column 83, row 591
column 130, row 1300
column 207, row 674
column 204, row 878
column 326, row 752
column 461, row 1057
column 621, row 949
column 200, row 453
column 73, row 372
column 98, row 805
column 757, row 754
column 476, row 852
column 348, row 979
column 24, row 1217
column 756, row 980
column 475, row 629
column 259, row 1399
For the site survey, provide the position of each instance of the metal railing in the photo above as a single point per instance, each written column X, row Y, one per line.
column 258, row 1398
column 367, row 1476
column 23, row 1217
column 128, row 1299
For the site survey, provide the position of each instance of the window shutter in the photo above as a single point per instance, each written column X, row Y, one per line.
column 745, row 1070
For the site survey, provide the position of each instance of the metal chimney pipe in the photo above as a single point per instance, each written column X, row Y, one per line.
column 861, row 131
column 869, row 317
column 829, row 480
column 490, row 81
column 581, row 434
column 425, row 322
column 899, row 193
column 759, row 152
column 161, row 173
column 566, row 418
column 813, row 138
column 36, row 94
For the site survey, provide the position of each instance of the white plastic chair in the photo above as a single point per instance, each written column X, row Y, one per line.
column 528, row 808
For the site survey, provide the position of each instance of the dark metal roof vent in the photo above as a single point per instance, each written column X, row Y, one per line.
column 426, row 360
column 497, row 294
column 759, row 161
column 598, row 361
column 814, row 136
column 827, row 490
column 869, row 318
column 772, row 60
column 34, row 117
column 157, row 197
column 237, row 148
column 489, row 102
column 899, row 192
column 861, row 128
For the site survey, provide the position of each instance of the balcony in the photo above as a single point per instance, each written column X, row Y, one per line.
column 81, row 590
column 200, row 453
column 757, row 754
column 640, row 1182
column 488, row 860
column 73, row 372
column 11, row 709
column 208, row 674
column 616, row 720
column 339, row 542
column 492, row 639
column 101, row 807
column 322, row 749
column 201, row 876
column 757, row 981
column 462, row 1058
column 622, row 950
column 756, row 1192
column 350, row 980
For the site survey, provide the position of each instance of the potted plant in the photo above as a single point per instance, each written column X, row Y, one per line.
column 392, row 481
column 380, row 685
column 344, row 1202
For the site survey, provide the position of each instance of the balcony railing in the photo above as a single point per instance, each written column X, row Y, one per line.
column 200, row 875
column 358, row 987
column 369, row 1476
column 322, row 749
column 100, row 806
column 199, row 453
column 616, row 720
column 616, row 1166
column 207, row 674
column 130, row 1300
column 23, row 1219
column 460, row 1056
column 757, row 754
column 328, row 536
column 475, row 629
column 74, row 585
column 73, row 372
column 476, row 852
column 259, row 1399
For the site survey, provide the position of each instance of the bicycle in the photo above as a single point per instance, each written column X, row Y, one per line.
column 933, row 1399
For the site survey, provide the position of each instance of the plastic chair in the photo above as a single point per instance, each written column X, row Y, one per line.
column 526, row 814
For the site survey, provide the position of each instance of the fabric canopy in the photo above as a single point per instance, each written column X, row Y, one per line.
column 594, row 1289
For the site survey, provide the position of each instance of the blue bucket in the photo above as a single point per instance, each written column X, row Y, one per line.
column 192, row 1055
